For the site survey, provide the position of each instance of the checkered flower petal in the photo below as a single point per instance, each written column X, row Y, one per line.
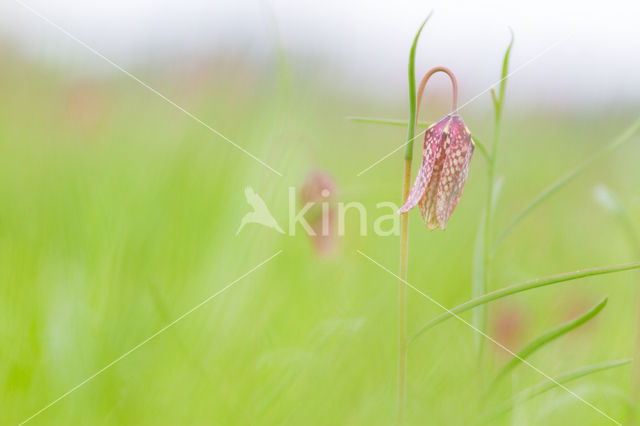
column 443, row 172
column 454, row 170
column 433, row 139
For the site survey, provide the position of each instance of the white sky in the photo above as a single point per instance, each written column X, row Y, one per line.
column 361, row 43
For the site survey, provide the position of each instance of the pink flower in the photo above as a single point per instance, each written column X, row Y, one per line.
column 445, row 164
column 509, row 324
column 320, row 188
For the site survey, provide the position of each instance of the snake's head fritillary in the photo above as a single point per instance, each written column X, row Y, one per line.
column 445, row 164
column 320, row 189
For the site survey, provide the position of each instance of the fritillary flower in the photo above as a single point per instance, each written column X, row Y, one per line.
column 445, row 164
column 320, row 188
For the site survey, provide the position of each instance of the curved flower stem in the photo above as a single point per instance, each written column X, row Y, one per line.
column 425, row 79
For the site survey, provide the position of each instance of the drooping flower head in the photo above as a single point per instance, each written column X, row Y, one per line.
column 445, row 163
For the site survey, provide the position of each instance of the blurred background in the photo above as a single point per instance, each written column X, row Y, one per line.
column 119, row 211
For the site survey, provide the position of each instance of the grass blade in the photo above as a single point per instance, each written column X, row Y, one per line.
column 505, row 71
column 384, row 121
column 547, row 385
column 520, row 287
column 480, row 288
column 403, row 123
column 548, row 337
column 411, row 128
column 631, row 130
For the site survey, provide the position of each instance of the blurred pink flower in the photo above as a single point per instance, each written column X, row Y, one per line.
column 320, row 188
column 508, row 327
column 84, row 106
column 445, row 164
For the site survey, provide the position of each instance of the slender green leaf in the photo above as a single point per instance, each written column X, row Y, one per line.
column 548, row 337
column 505, row 71
column 402, row 123
column 408, row 154
column 624, row 137
column 385, row 121
column 547, row 385
column 518, row 288
column 494, row 98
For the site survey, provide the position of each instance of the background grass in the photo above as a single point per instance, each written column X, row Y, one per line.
column 119, row 213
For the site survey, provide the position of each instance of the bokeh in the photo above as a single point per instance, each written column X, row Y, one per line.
column 119, row 214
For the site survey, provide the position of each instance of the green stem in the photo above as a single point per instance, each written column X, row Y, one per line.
column 518, row 288
column 498, row 103
column 402, row 300
column 404, row 238
column 488, row 216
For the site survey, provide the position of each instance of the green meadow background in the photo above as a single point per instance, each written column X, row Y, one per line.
column 118, row 213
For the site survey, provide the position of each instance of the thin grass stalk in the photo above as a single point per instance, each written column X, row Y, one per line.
column 402, row 299
column 498, row 103
column 404, row 238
